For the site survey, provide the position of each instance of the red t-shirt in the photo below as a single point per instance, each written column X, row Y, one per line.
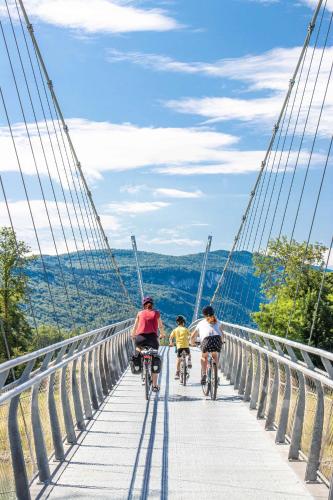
column 148, row 321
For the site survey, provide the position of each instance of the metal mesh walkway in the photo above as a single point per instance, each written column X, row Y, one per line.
column 181, row 445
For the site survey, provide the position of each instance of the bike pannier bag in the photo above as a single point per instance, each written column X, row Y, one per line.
column 135, row 364
column 156, row 364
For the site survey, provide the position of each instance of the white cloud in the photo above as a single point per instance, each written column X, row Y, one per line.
column 313, row 3
column 132, row 188
column 23, row 224
column 182, row 242
column 177, row 193
column 225, row 108
column 268, row 72
column 106, row 147
column 237, row 162
column 136, row 207
column 97, row 16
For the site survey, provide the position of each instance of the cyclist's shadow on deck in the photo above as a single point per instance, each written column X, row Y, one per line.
column 175, row 398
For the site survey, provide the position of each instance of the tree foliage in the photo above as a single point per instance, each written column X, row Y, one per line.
column 16, row 333
column 291, row 274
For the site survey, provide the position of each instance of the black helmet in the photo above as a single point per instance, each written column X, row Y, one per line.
column 208, row 311
column 180, row 319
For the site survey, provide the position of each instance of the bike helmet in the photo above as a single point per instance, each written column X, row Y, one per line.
column 147, row 300
column 208, row 311
column 180, row 319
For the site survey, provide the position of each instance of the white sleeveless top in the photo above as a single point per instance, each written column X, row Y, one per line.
column 205, row 329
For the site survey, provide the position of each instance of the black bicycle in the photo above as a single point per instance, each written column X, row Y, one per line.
column 148, row 355
column 184, row 370
column 211, row 383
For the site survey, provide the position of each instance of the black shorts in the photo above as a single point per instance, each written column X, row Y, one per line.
column 181, row 349
column 211, row 344
column 147, row 340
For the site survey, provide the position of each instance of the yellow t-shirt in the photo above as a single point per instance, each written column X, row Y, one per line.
column 181, row 334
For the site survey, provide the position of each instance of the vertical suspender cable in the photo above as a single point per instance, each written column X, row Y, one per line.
column 71, row 146
column 276, row 127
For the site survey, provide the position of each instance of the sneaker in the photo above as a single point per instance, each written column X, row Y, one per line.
column 189, row 363
column 156, row 388
column 203, row 379
column 177, row 376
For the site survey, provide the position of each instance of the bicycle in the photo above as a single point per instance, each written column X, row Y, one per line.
column 184, row 370
column 210, row 387
column 148, row 355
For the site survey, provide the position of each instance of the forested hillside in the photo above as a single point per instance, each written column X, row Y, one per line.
column 172, row 281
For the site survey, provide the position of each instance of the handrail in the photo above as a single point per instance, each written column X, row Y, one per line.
column 71, row 381
column 13, row 363
column 292, row 394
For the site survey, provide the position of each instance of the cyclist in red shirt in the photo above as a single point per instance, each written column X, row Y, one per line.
column 145, row 330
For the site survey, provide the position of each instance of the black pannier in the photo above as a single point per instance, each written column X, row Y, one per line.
column 156, row 364
column 136, row 364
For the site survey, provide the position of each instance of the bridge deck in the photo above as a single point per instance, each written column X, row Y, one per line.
column 181, row 445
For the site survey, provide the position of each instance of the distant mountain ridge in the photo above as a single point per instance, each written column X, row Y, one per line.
column 96, row 298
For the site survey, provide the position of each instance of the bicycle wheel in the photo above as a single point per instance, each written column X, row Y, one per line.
column 181, row 371
column 206, row 386
column 184, row 371
column 147, row 382
column 214, row 381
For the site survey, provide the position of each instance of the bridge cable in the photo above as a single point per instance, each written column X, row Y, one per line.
column 48, row 171
column 306, row 43
column 22, row 176
column 324, row 274
column 298, row 155
column 71, row 146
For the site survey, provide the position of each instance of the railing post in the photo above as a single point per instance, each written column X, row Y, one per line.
column 76, row 399
column 18, row 462
column 244, row 370
column 91, row 381
column 296, row 436
column 239, row 364
column 314, row 453
column 112, row 362
column 68, row 419
column 263, row 394
column 41, row 453
column 249, row 377
column 269, row 425
column 102, row 369
column 84, row 389
column 15, row 443
column 234, row 362
column 284, row 415
column 58, row 446
column 256, row 383
column 106, row 361
column 97, row 376
column 227, row 371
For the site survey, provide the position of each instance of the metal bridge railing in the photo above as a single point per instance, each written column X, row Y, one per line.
column 290, row 385
column 47, row 396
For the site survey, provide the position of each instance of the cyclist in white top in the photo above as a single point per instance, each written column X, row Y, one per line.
column 210, row 333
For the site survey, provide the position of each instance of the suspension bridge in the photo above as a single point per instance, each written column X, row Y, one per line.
column 73, row 419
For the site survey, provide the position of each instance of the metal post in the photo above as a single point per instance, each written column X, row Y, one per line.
column 138, row 269
column 201, row 280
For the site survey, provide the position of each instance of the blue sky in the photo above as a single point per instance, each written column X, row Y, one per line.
column 171, row 106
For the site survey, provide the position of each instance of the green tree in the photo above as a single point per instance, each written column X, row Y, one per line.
column 291, row 274
column 16, row 333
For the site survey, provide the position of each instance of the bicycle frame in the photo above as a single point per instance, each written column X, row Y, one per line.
column 147, row 360
column 210, row 387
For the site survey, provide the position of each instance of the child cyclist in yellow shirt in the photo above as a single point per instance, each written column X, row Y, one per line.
column 182, row 336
